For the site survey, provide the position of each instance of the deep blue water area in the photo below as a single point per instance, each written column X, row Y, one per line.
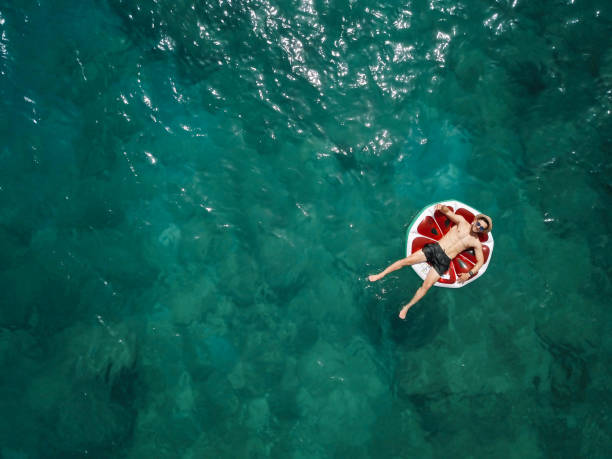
column 193, row 193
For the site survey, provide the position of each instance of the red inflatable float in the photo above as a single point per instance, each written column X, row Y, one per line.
column 429, row 226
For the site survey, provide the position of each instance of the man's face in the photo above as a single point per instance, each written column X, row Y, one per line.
column 479, row 226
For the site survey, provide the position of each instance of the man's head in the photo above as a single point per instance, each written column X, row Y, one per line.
column 482, row 223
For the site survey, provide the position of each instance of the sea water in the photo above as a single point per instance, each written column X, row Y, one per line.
column 193, row 193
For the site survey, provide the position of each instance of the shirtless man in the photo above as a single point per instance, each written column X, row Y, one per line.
column 439, row 254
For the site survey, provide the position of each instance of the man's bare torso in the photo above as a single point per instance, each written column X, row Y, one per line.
column 458, row 239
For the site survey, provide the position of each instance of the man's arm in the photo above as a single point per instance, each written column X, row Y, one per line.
column 479, row 262
column 452, row 216
column 479, row 259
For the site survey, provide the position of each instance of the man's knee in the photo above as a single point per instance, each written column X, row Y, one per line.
column 427, row 285
column 405, row 261
column 411, row 259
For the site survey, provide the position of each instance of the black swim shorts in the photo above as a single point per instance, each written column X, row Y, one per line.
column 437, row 258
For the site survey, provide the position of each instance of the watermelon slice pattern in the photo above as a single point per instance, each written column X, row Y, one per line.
column 431, row 228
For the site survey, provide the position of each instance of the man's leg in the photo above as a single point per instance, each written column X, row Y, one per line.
column 431, row 278
column 416, row 257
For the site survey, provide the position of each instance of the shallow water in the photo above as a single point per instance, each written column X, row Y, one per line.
column 192, row 195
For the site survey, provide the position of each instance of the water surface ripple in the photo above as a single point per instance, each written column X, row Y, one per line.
column 192, row 195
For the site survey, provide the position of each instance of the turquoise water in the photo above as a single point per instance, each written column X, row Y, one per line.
column 192, row 195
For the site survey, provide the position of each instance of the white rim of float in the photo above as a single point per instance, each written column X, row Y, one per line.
column 462, row 262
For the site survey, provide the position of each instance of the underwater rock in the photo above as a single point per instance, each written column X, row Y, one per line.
column 195, row 241
column 100, row 352
column 160, row 433
column 188, row 301
column 469, row 66
column 458, row 422
column 257, row 415
column 307, row 334
column 454, row 365
column 441, row 150
column 210, row 346
column 336, row 396
column 20, row 295
column 89, row 421
column 235, row 269
column 344, row 416
column 216, row 399
column 17, row 345
column 103, row 254
column 282, row 263
column 596, row 425
column 98, row 360
column 283, row 404
column 417, row 377
column 237, row 378
column 568, row 371
column 184, row 396
column 405, row 430
column 170, row 237
column 101, row 205
column 221, row 352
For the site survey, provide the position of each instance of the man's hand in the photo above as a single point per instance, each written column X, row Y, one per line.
column 442, row 208
column 448, row 213
column 463, row 277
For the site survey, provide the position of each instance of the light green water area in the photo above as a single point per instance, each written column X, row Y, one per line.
column 193, row 193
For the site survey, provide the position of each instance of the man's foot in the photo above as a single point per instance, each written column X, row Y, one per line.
column 403, row 312
column 374, row 277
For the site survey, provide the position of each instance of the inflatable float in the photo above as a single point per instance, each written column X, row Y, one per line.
column 430, row 226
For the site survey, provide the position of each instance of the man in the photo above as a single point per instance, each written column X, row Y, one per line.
column 439, row 254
